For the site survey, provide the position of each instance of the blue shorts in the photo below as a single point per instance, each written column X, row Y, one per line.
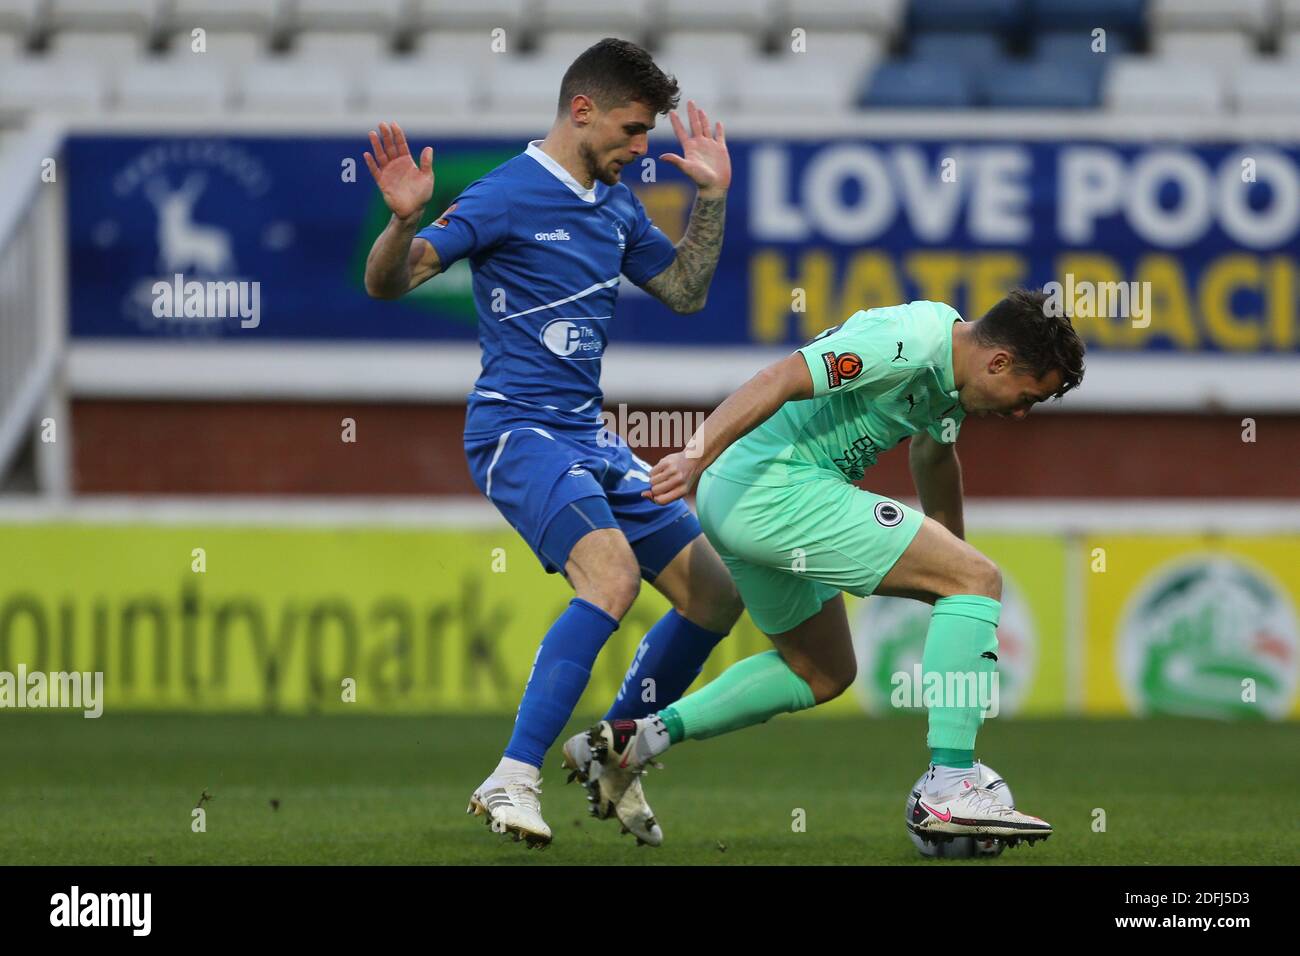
column 557, row 481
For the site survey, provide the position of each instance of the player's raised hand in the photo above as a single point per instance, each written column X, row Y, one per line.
column 671, row 478
column 704, row 156
column 407, row 188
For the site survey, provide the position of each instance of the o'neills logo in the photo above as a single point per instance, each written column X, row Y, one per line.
column 1209, row 637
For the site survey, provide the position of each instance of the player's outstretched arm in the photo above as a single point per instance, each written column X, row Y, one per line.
column 398, row 262
column 744, row 410
column 684, row 285
column 936, row 472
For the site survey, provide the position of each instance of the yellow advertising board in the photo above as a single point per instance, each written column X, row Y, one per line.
column 1193, row 625
column 380, row 619
column 288, row 619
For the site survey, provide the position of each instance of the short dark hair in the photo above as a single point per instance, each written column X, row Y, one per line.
column 616, row 72
column 1038, row 342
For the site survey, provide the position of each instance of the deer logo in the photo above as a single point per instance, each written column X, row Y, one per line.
column 183, row 244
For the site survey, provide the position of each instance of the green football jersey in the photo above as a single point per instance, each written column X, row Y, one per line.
column 882, row 376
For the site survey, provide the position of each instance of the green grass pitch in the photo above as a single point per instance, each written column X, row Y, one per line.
column 372, row 790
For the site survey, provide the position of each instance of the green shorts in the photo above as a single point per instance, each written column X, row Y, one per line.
column 791, row 548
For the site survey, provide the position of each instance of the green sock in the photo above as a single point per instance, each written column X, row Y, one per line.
column 962, row 640
column 960, row 759
column 748, row 692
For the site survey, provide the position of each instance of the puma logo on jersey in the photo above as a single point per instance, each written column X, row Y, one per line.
column 899, row 357
column 559, row 235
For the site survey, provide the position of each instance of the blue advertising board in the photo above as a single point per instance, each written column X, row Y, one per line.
column 1183, row 248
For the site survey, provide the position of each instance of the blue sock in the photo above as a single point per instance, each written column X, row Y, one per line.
column 672, row 654
column 559, row 676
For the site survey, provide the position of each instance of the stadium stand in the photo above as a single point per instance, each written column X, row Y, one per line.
column 1122, row 55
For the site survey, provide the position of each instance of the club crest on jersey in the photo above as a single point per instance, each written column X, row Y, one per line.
column 622, row 239
column 441, row 221
column 888, row 513
column 841, row 368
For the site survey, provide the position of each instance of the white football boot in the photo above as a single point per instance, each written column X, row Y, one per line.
column 612, row 790
column 976, row 812
column 510, row 805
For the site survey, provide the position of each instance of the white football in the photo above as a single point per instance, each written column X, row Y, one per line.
column 962, row 847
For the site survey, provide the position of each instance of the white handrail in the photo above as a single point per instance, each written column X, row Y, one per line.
column 31, row 249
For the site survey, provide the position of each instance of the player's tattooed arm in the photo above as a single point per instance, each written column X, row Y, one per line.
column 398, row 262
column 936, row 472
column 684, row 285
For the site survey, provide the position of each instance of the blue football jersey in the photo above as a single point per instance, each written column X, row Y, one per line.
column 546, row 255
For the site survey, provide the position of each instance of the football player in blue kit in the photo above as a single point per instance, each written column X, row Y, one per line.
column 547, row 235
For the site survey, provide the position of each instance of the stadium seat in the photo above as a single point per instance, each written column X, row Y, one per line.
column 850, row 48
column 884, row 17
column 913, row 84
column 12, row 46
column 1205, row 49
column 290, row 87
column 724, row 49
column 754, row 17
column 1289, row 46
column 261, row 16
column 797, row 88
column 1040, row 84
column 1077, row 45
column 1267, row 88
column 222, row 46
column 1149, row 85
column 377, row 16
column 346, row 48
column 513, row 16
column 136, row 16
column 1001, row 16
column 1256, row 17
column 169, row 86
column 973, row 49
column 567, row 44
column 1125, row 16
column 100, row 47
column 469, row 51
column 525, row 86
column 48, row 86
column 713, row 89
column 626, row 19
column 20, row 17
column 1289, row 14
column 404, row 89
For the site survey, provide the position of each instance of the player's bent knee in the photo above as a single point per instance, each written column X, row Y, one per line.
column 825, row 683
column 984, row 577
column 723, row 609
column 829, row 686
column 613, row 590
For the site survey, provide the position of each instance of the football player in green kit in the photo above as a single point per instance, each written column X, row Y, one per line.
column 776, row 463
